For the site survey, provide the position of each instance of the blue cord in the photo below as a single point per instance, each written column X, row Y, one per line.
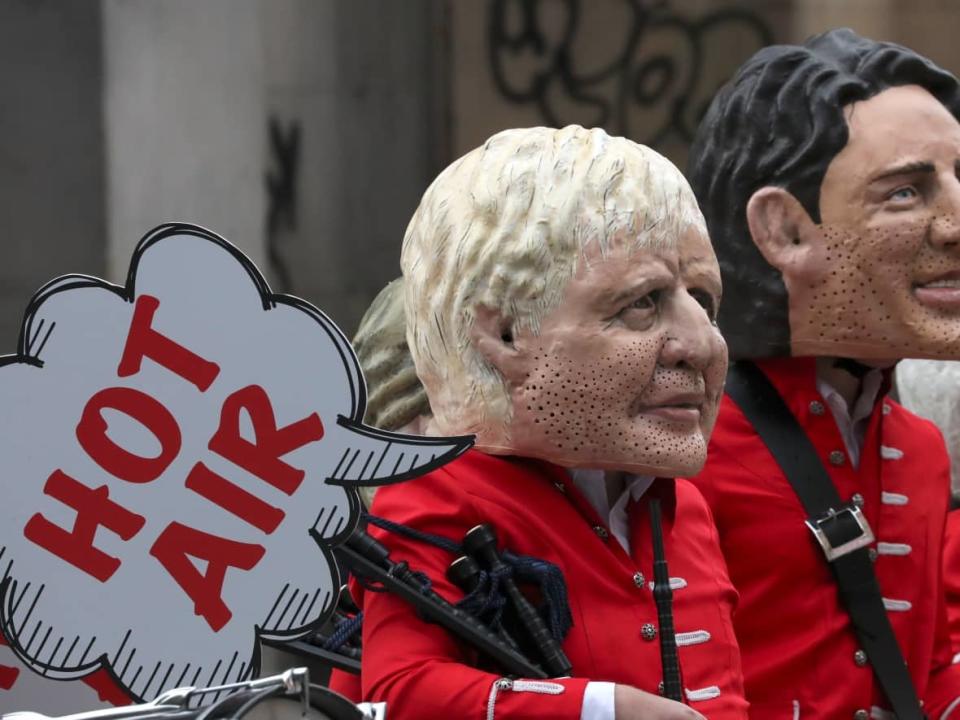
column 344, row 633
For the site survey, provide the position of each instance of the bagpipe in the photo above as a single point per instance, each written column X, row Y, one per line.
column 495, row 617
column 535, row 654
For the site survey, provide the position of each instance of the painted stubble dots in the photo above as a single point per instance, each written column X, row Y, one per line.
column 862, row 300
column 591, row 413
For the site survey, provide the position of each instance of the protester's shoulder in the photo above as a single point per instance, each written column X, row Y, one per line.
column 898, row 418
column 732, row 430
column 691, row 499
column 689, row 494
column 694, row 510
column 472, row 474
column 916, row 445
column 735, row 448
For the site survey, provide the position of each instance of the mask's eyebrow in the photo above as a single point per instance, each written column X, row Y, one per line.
column 635, row 290
column 702, row 270
column 905, row 169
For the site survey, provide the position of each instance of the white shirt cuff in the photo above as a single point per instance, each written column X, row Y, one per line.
column 598, row 702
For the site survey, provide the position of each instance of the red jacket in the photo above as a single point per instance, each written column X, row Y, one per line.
column 797, row 642
column 422, row 672
column 951, row 578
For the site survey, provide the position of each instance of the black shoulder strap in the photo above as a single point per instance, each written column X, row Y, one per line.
column 839, row 527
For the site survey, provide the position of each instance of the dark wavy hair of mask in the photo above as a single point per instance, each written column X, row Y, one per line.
column 780, row 122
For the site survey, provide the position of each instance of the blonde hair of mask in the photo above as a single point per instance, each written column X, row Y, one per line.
column 504, row 227
column 395, row 396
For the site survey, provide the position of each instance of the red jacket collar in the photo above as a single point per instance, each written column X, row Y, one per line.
column 795, row 378
column 542, row 470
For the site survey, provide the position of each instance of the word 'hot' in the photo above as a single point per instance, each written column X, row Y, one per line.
column 177, row 542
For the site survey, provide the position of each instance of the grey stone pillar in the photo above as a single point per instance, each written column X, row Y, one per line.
column 185, row 122
column 52, row 217
column 354, row 93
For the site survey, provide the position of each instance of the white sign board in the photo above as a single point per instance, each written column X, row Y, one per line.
column 178, row 457
column 22, row 688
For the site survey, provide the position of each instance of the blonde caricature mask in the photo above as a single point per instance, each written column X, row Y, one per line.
column 835, row 212
column 561, row 290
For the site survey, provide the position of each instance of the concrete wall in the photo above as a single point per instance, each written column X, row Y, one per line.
column 871, row 18
column 185, row 121
column 707, row 44
column 357, row 79
column 643, row 75
column 52, row 215
column 119, row 115
column 928, row 26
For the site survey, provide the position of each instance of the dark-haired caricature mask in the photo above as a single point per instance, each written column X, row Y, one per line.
column 879, row 277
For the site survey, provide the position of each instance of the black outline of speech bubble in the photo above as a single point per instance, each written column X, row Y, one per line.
column 30, row 345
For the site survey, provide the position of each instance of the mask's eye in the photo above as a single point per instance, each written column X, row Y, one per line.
column 707, row 302
column 903, row 194
column 647, row 302
column 642, row 312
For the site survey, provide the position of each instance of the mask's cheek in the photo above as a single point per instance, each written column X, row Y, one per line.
column 887, row 259
column 709, row 419
column 716, row 371
column 569, row 404
column 552, row 407
column 640, row 356
column 711, row 408
column 845, row 306
column 616, row 378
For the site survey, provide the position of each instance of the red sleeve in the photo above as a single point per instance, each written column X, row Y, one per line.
column 942, row 699
column 951, row 577
column 418, row 668
column 346, row 684
column 943, row 692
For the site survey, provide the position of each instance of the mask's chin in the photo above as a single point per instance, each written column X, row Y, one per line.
column 872, row 352
column 686, row 465
column 678, row 464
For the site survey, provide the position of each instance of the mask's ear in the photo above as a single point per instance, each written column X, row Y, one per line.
column 781, row 228
column 492, row 335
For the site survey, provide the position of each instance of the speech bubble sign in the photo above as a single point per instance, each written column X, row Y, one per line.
column 22, row 689
column 179, row 455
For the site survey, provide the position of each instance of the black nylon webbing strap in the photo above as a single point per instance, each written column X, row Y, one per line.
column 791, row 448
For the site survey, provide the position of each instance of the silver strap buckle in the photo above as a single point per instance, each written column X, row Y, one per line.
column 817, row 526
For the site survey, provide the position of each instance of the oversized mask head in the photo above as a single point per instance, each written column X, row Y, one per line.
column 560, row 296
column 828, row 175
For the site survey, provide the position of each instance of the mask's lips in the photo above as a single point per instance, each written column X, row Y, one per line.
column 682, row 407
column 941, row 291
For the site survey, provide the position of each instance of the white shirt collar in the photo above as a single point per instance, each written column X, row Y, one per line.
column 590, row 482
column 853, row 426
